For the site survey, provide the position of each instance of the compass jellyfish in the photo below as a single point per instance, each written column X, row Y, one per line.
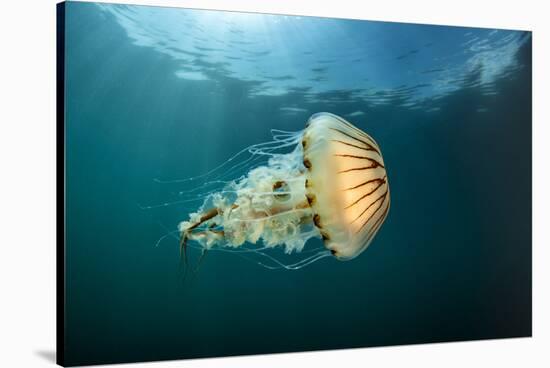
column 332, row 185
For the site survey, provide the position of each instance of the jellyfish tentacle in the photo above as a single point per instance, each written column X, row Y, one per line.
column 259, row 146
column 201, row 187
column 258, row 153
column 200, row 197
column 186, row 233
column 183, row 249
column 168, row 234
column 201, row 259
column 242, row 251
column 293, row 266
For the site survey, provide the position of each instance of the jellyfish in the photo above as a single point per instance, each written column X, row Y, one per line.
column 332, row 185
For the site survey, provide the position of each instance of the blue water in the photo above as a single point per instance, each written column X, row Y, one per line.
column 166, row 93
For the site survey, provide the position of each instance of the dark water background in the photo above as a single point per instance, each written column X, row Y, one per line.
column 450, row 107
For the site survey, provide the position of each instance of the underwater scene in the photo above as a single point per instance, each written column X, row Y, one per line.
column 228, row 180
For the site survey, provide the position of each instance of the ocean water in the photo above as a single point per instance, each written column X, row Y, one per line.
column 165, row 93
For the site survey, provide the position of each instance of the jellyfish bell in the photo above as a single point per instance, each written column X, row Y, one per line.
column 346, row 184
column 332, row 185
